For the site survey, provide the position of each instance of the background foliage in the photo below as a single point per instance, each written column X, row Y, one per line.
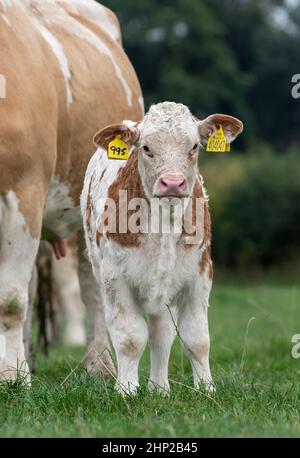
column 237, row 57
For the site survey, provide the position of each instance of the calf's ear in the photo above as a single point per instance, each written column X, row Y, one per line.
column 129, row 134
column 232, row 127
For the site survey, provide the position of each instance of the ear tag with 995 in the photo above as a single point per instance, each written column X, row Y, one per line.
column 117, row 149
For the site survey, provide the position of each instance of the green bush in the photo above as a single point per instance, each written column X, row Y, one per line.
column 255, row 204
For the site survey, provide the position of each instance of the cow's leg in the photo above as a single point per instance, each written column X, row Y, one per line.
column 129, row 334
column 193, row 329
column 75, row 319
column 18, row 250
column 98, row 354
column 27, row 338
column 162, row 332
column 68, row 291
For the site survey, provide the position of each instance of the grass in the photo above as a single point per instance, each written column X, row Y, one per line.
column 258, row 382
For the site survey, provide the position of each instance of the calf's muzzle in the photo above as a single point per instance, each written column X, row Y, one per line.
column 172, row 186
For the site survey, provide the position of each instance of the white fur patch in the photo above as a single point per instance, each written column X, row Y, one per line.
column 5, row 3
column 169, row 117
column 158, row 270
column 6, row 19
column 58, row 51
column 141, row 103
column 98, row 163
column 9, row 3
column 15, row 240
column 95, row 13
column 61, row 217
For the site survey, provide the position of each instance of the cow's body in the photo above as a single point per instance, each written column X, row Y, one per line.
column 66, row 74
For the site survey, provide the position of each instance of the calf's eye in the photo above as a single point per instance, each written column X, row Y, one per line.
column 194, row 150
column 147, row 151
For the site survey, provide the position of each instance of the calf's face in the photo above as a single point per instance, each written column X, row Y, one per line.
column 168, row 140
column 168, row 151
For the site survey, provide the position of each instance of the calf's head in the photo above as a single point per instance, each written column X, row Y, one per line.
column 168, row 140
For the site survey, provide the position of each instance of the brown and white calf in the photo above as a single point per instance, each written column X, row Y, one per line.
column 165, row 273
column 66, row 75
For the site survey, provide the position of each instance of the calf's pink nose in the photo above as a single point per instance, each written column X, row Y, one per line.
column 172, row 185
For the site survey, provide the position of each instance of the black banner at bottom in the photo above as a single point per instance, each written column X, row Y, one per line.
column 93, row 448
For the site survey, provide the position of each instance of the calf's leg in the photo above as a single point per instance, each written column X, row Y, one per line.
column 98, row 354
column 194, row 333
column 129, row 334
column 162, row 332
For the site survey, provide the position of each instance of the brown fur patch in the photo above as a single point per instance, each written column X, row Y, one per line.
column 128, row 135
column 198, row 194
column 130, row 348
column 207, row 225
column 89, row 210
column 11, row 314
column 128, row 180
column 98, row 238
column 205, row 262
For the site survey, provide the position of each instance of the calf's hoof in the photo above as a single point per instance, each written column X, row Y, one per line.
column 162, row 388
column 127, row 388
column 9, row 373
column 207, row 386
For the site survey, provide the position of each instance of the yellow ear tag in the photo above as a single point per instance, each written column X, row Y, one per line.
column 218, row 143
column 117, row 149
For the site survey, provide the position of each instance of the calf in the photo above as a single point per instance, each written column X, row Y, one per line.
column 166, row 272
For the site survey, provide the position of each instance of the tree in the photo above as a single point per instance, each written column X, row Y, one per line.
column 218, row 56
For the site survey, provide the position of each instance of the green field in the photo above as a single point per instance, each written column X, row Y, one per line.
column 258, row 382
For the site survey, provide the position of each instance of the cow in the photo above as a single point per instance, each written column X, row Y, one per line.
column 66, row 75
column 165, row 274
